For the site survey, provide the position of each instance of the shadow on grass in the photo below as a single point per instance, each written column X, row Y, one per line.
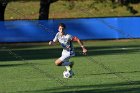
column 10, row 65
column 124, row 87
column 51, row 53
column 115, row 73
column 16, row 65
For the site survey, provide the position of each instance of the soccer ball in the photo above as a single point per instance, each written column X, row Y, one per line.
column 66, row 74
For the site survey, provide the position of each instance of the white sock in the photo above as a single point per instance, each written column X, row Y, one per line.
column 68, row 68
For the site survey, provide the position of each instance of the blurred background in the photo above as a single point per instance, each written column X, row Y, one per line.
column 29, row 9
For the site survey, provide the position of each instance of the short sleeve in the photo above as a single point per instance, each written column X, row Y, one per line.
column 75, row 38
column 70, row 37
column 56, row 37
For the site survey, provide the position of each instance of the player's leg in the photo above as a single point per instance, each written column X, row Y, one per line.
column 61, row 62
column 66, row 55
column 69, row 67
column 64, row 61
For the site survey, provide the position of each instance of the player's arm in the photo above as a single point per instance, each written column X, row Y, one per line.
column 80, row 43
column 54, row 40
column 51, row 43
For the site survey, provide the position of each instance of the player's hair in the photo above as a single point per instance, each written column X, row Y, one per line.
column 62, row 25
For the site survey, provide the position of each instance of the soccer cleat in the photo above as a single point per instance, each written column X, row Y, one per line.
column 71, row 73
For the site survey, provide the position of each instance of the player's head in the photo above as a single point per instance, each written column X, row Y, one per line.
column 61, row 27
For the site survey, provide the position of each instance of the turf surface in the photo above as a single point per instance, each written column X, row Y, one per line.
column 110, row 67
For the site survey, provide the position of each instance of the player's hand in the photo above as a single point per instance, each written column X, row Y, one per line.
column 84, row 51
column 51, row 43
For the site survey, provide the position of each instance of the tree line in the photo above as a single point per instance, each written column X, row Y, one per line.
column 43, row 11
column 45, row 5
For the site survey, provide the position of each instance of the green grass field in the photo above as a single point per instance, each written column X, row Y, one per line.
column 110, row 67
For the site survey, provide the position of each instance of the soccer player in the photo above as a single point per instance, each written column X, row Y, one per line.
column 68, row 51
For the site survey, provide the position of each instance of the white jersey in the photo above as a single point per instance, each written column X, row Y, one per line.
column 65, row 41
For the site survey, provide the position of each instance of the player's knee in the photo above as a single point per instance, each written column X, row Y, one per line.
column 58, row 63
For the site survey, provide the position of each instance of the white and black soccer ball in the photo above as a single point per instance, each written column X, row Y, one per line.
column 66, row 74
